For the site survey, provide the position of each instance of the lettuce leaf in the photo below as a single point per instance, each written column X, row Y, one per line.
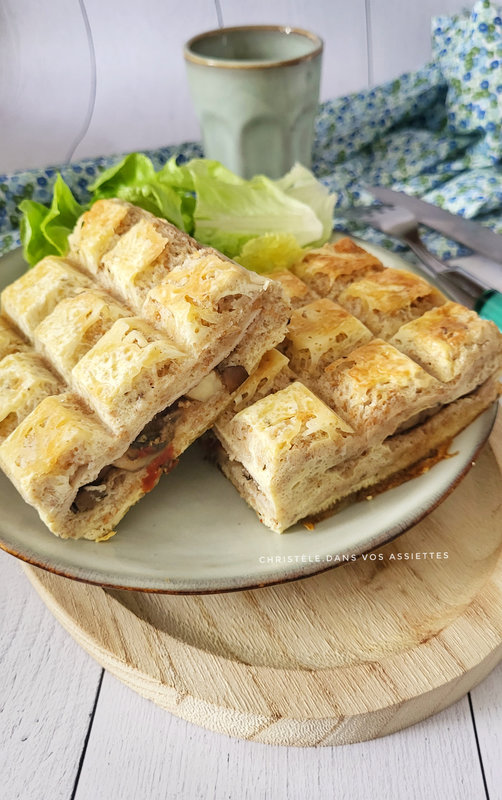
column 302, row 185
column 230, row 211
column 270, row 252
column 134, row 179
column 35, row 246
column 183, row 176
column 227, row 215
column 203, row 198
column 45, row 231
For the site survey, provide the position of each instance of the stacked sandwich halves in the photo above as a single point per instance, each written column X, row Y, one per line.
column 117, row 357
column 377, row 372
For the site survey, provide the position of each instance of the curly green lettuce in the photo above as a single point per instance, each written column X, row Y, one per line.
column 262, row 223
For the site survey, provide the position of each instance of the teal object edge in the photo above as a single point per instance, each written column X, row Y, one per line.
column 489, row 306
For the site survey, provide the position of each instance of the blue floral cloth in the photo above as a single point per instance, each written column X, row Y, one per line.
column 435, row 133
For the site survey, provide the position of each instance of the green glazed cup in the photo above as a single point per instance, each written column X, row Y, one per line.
column 256, row 93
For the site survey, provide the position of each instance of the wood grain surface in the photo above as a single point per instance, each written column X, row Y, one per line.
column 352, row 654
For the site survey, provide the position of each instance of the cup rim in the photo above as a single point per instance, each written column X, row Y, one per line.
column 228, row 63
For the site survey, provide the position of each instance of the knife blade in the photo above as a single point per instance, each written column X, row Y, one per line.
column 486, row 271
column 465, row 231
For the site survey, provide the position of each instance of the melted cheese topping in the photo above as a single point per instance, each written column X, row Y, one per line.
column 289, row 417
column 10, row 342
column 335, row 261
column 95, row 233
column 35, row 294
column 133, row 256
column 122, row 357
column 376, row 369
column 295, row 289
column 74, row 327
column 24, row 382
column 389, row 291
column 321, row 327
column 442, row 339
column 52, row 440
column 189, row 303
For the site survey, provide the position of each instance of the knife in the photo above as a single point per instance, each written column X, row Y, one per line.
column 469, row 233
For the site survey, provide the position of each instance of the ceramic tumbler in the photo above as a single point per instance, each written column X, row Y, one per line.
column 256, row 93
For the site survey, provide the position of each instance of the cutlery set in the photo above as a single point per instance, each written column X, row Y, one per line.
column 474, row 280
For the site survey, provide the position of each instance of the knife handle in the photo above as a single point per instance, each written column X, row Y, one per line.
column 489, row 306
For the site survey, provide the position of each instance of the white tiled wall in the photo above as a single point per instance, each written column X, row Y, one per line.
column 84, row 77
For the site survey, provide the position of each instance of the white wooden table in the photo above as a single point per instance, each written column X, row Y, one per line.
column 81, row 78
column 68, row 730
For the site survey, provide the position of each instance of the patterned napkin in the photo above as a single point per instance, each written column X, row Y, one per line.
column 435, row 133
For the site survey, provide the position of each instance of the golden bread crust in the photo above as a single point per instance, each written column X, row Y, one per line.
column 446, row 339
column 388, row 299
column 318, row 334
column 133, row 395
column 330, row 268
column 24, row 382
column 421, row 370
column 297, row 292
column 10, row 341
column 27, row 301
column 76, row 325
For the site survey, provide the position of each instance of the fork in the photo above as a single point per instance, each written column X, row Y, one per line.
column 462, row 286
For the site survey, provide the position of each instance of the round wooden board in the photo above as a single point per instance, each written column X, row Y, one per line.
column 348, row 655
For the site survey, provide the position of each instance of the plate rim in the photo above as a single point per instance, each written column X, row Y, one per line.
column 384, row 538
